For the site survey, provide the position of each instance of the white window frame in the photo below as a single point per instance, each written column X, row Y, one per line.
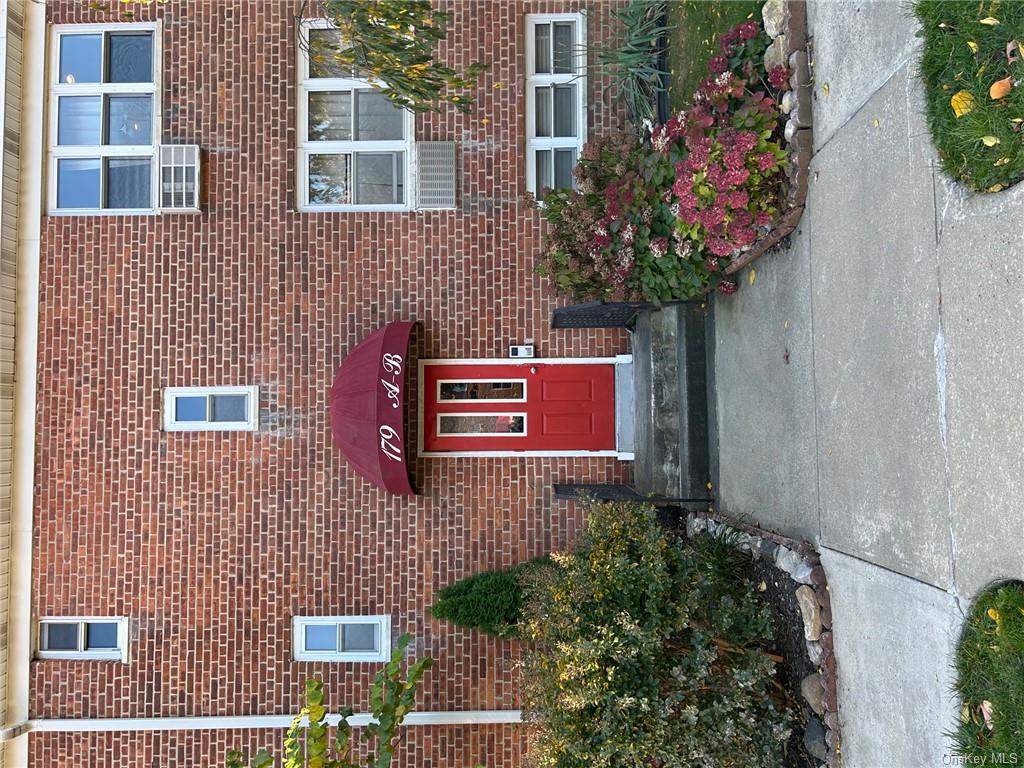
column 171, row 394
column 307, row 148
column 299, row 624
column 533, row 79
column 57, row 89
column 117, row 654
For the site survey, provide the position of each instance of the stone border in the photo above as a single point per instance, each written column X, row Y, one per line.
column 803, row 566
column 786, row 22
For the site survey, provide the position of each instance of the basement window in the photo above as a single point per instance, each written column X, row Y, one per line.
column 98, row 638
column 211, row 409
column 342, row 638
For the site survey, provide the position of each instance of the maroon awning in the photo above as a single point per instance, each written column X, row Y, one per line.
column 368, row 408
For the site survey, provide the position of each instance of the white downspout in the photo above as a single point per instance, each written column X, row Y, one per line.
column 19, row 651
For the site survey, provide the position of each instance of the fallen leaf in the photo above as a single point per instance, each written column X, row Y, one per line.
column 981, row 71
column 989, row 21
column 993, row 614
column 753, row 276
column 989, row 141
column 1013, row 45
column 963, row 103
column 824, row 89
column 1001, row 161
column 875, row 123
column 973, row 46
column 945, row 87
column 986, row 712
column 763, row 586
column 965, row 713
column 785, row 327
column 1000, row 88
column 995, row 188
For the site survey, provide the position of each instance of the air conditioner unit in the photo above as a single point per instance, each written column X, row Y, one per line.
column 179, row 177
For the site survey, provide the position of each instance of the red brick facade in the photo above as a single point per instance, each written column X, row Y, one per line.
column 210, row 542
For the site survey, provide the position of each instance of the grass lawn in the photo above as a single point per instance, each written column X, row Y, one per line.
column 968, row 48
column 697, row 25
column 990, row 678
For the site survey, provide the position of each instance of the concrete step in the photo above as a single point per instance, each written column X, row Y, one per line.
column 625, row 409
column 671, row 403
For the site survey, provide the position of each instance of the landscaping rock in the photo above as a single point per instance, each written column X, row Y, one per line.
column 773, row 13
column 797, row 104
column 787, row 560
column 810, row 611
column 776, row 55
column 818, row 577
column 813, row 693
column 814, row 739
column 826, row 641
column 800, row 68
column 802, row 573
column 814, row 652
column 768, row 549
column 794, row 23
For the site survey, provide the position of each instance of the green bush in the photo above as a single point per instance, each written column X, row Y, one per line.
column 649, row 652
column 491, row 601
column 970, row 47
column 990, row 679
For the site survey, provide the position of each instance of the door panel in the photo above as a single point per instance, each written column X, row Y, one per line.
column 532, row 406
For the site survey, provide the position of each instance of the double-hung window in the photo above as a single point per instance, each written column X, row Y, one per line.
column 83, row 638
column 104, row 118
column 556, row 99
column 211, row 409
column 341, row 638
column 355, row 147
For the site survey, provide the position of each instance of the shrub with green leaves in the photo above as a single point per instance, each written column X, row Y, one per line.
column 649, row 652
column 990, row 679
column 491, row 601
column 635, row 64
column 973, row 71
column 307, row 742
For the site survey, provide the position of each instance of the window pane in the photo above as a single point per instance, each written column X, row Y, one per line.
column 329, row 179
column 81, row 58
column 565, row 110
column 376, row 182
column 229, row 408
column 543, row 171
column 482, row 424
column 191, row 408
column 130, row 58
column 78, row 183
column 564, row 47
column 100, row 636
column 128, row 183
column 130, row 120
column 542, row 107
column 565, row 160
column 377, row 119
column 323, row 45
column 321, row 637
column 60, row 637
column 482, row 390
column 542, row 48
column 359, row 637
column 330, row 116
column 78, row 120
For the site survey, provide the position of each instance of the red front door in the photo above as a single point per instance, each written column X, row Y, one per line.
column 531, row 406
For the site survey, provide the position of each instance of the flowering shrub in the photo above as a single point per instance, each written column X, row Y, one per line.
column 649, row 652
column 661, row 221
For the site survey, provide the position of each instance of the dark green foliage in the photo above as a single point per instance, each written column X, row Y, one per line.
column 491, row 601
column 990, row 668
column 307, row 743
column 635, row 63
column 697, row 26
column 949, row 65
column 648, row 651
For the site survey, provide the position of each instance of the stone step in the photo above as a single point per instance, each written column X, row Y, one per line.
column 671, row 405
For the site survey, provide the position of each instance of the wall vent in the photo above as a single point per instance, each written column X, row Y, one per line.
column 179, row 177
column 435, row 174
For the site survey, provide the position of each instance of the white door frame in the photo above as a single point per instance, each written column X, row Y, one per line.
column 616, row 360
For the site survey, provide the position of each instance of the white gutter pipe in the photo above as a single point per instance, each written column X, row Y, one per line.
column 30, row 214
column 124, row 724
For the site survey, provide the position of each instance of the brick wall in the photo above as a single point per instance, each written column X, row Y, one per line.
column 211, row 542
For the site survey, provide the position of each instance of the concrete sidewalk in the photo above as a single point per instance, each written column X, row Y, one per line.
column 869, row 387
